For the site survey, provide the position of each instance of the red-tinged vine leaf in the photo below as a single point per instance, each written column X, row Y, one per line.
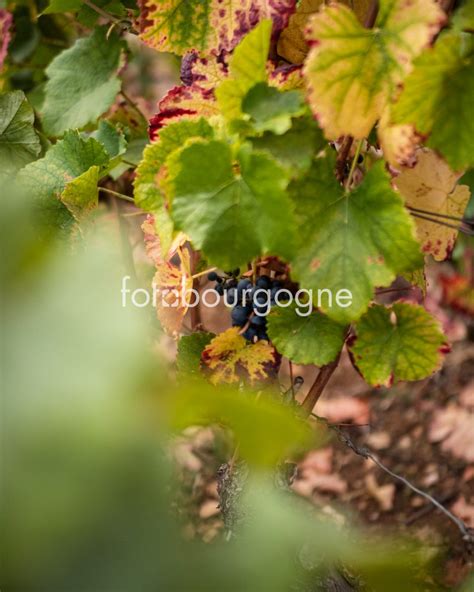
column 286, row 77
column 398, row 141
column 458, row 293
column 173, row 277
column 350, row 241
column 312, row 339
column 208, row 26
column 438, row 99
column 431, row 186
column 402, row 342
column 353, row 72
column 230, row 358
column 206, row 72
column 6, row 20
column 183, row 102
column 292, row 45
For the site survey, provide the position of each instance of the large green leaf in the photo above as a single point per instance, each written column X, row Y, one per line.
column 403, row 342
column 352, row 72
column 248, row 66
column 313, row 339
column 438, row 98
column 47, row 178
column 207, row 25
column 351, row 241
column 232, row 215
column 19, row 143
column 82, row 83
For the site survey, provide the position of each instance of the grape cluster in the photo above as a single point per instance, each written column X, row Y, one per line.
column 250, row 302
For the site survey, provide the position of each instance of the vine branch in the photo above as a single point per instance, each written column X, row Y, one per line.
column 467, row 532
column 318, row 386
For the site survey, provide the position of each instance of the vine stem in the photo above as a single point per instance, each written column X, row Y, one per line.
column 102, row 12
column 468, row 533
column 134, row 105
column 195, row 312
column 319, row 385
column 117, row 194
column 353, row 165
column 201, row 273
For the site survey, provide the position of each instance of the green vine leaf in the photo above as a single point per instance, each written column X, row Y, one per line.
column 231, row 215
column 81, row 195
column 47, row 178
column 248, row 66
column 313, row 339
column 403, row 342
column 464, row 17
column 351, row 241
column 19, row 143
column 270, row 109
column 111, row 138
column 438, row 99
column 83, row 82
column 190, row 348
column 352, row 72
column 209, row 26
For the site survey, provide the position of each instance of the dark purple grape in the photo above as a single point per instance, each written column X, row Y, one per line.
column 250, row 333
column 212, row 276
column 263, row 282
column 231, row 297
column 219, row 289
column 243, row 285
column 239, row 316
column 258, row 321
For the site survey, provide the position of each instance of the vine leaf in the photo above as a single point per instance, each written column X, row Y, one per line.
column 313, row 339
column 111, row 138
column 431, row 186
column 351, row 241
column 248, row 66
column 83, row 82
column 151, row 171
column 81, row 195
column 403, row 342
column 438, row 99
column 19, row 143
column 458, row 293
column 190, row 348
column 464, row 17
column 47, row 178
column 206, row 72
column 270, row 109
column 208, row 26
column 230, row 357
column 183, row 102
column 352, row 72
column 6, row 20
column 172, row 282
column 231, row 215
column 292, row 45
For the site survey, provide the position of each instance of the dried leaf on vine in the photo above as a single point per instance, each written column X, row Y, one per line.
column 230, row 357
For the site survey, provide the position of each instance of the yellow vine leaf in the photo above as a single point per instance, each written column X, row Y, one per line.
column 283, row 79
column 352, row 72
column 230, row 357
column 398, row 141
column 432, row 186
column 173, row 277
column 292, row 44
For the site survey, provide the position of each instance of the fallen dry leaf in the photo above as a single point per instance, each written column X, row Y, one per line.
column 464, row 510
column 454, row 428
column 378, row 440
column 382, row 494
column 344, row 409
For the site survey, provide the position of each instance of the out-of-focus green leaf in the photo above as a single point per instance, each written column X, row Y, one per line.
column 265, row 429
column 19, row 143
column 82, row 83
column 111, row 138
